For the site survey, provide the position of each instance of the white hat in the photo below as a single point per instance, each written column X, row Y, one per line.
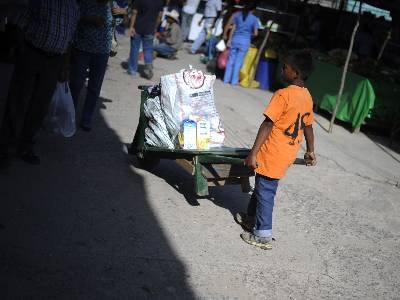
column 173, row 14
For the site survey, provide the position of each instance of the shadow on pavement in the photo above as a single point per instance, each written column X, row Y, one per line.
column 228, row 197
column 80, row 226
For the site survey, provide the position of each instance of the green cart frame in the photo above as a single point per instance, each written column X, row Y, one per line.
column 216, row 167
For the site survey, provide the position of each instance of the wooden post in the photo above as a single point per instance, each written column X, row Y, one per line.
column 345, row 68
column 388, row 37
column 264, row 42
column 257, row 60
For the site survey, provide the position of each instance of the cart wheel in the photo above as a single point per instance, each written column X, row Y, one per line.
column 147, row 162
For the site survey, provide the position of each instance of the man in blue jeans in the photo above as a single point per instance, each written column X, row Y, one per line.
column 146, row 17
column 211, row 13
column 92, row 46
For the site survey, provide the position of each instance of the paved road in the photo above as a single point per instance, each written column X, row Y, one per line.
column 88, row 224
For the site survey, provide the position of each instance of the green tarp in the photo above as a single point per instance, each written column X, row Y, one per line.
column 354, row 107
column 362, row 98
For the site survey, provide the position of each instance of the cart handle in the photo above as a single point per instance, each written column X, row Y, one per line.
column 219, row 159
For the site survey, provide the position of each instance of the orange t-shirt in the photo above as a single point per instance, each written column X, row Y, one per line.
column 291, row 109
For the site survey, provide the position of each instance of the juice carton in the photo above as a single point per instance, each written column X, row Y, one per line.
column 203, row 135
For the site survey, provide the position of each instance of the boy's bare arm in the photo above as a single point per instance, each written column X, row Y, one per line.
column 262, row 135
column 309, row 156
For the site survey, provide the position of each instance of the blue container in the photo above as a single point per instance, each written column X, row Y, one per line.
column 265, row 74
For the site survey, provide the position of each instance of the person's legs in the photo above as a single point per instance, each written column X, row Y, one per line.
column 39, row 104
column 134, row 54
column 199, row 41
column 97, row 70
column 265, row 192
column 28, row 64
column 230, row 64
column 79, row 66
column 186, row 24
column 148, row 49
column 148, row 55
column 241, row 54
column 164, row 50
column 212, row 52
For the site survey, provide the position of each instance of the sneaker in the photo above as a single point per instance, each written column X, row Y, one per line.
column 85, row 126
column 148, row 73
column 30, row 157
column 245, row 221
column 260, row 242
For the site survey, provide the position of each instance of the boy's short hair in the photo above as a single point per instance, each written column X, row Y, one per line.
column 301, row 61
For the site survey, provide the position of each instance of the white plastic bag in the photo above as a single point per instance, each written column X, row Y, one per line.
column 156, row 134
column 220, row 46
column 189, row 94
column 61, row 114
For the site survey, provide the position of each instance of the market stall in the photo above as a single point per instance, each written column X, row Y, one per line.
column 363, row 98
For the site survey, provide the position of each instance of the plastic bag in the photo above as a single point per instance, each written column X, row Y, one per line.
column 61, row 113
column 189, row 95
column 223, row 59
column 248, row 68
column 156, row 133
column 220, row 46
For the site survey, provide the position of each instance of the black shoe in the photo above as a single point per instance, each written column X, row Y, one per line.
column 5, row 161
column 30, row 157
column 125, row 65
column 148, row 73
column 86, row 127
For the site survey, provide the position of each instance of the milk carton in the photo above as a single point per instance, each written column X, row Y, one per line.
column 189, row 134
column 203, row 135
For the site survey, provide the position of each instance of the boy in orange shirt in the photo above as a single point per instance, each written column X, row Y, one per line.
column 288, row 116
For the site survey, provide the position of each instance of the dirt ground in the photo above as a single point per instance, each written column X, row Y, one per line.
column 88, row 224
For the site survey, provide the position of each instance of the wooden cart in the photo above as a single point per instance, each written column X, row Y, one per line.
column 215, row 167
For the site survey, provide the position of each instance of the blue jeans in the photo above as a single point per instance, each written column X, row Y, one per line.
column 261, row 204
column 202, row 35
column 237, row 54
column 164, row 49
column 212, row 52
column 81, row 61
column 136, row 41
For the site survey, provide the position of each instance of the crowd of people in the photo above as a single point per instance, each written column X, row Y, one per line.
column 58, row 41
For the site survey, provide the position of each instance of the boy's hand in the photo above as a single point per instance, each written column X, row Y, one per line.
column 251, row 161
column 116, row 11
column 310, row 158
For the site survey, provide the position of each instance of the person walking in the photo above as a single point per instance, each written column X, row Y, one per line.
column 188, row 11
column 171, row 39
column 146, row 17
column 47, row 28
column 91, row 50
column 211, row 13
column 287, row 119
column 244, row 24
